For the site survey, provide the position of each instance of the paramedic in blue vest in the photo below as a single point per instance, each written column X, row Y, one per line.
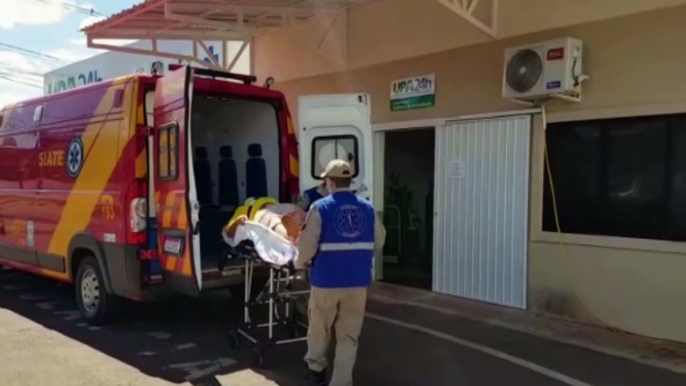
column 338, row 242
column 311, row 195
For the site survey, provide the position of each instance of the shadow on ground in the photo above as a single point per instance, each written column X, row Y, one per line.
column 179, row 340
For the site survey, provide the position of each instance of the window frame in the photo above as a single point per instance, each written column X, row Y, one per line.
column 607, row 126
column 38, row 112
column 169, row 128
column 356, row 150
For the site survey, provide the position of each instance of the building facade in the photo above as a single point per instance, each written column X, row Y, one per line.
column 617, row 159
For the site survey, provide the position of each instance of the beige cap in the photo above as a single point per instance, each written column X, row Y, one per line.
column 337, row 169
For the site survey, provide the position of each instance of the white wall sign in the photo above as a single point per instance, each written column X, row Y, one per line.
column 457, row 169
column 413, row 93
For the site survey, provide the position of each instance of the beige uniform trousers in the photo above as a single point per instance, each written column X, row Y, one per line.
column 340, row 312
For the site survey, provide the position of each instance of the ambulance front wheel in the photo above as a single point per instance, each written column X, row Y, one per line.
column 96, row 305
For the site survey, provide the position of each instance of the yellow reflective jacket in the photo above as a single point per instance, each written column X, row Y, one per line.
column 249, row 208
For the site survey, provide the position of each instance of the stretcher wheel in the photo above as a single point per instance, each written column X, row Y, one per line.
column 233, row 340
column 258, row 356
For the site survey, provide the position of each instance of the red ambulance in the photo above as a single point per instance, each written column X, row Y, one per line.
column 122, row 187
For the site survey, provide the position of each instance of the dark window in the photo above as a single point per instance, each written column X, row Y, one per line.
column 328, row 148
column 168, row 157
column 618, row 177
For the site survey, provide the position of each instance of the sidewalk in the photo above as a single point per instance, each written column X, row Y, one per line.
column 653, row 352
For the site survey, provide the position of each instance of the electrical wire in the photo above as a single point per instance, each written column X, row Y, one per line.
column 23, row 77
column 10, row 47
column 74, row 7
column 13, row 68
column 10, row 78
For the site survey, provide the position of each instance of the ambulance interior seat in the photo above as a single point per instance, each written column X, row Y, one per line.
column 208, row 211
column 256, row 168
column 228, row 178
column 203, row 175
column 227, row 196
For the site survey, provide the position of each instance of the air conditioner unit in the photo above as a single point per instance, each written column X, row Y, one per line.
column 546, row 69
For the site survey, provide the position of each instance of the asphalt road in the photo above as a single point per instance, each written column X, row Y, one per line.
column 43, row 341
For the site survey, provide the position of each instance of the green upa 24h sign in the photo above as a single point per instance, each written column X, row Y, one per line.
column 413, row 93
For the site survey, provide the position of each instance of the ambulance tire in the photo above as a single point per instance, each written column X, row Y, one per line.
column 96, row 305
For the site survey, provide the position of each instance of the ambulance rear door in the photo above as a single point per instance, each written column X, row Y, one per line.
column 175, row 194
column 335, row 127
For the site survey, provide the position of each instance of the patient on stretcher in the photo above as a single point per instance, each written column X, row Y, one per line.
column 284, row 219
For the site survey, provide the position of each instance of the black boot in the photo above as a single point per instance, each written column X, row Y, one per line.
column 316, row 378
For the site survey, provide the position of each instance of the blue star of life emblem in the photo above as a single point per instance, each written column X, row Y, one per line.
column 349, row 221
column 74, row 157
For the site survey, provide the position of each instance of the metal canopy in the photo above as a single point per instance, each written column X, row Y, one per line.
column 468, row 9
column 205, row 20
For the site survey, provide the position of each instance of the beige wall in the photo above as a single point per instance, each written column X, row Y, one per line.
column 631, row 60
column 391, row 30
column 636, row 66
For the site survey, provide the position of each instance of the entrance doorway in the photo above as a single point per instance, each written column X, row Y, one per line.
column 408, row 206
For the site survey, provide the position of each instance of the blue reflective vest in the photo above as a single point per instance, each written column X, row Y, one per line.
column 346, row 242
column 312, row 196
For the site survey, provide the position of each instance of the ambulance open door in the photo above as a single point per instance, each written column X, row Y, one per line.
column 175, row 193
column 336, row 127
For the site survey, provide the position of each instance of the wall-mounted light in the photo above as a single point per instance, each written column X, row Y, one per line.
column 269, row 82
column 157, row 68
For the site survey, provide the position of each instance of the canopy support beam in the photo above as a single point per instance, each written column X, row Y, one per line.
column 212, row 64
column 466, row 9
column 199, row 21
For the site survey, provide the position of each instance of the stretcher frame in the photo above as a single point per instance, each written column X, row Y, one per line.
column 277, row 291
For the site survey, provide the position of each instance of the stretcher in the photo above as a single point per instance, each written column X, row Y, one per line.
column 284, row 296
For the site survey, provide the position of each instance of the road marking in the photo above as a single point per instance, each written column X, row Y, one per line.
column 69, row 314
column 16, row 287
column 486, row 350
column 33, row 297
column 47, row 305
column 159, row 335
column 185, row 346
column 195, row 370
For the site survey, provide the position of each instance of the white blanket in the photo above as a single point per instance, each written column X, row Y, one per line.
column 270, row 246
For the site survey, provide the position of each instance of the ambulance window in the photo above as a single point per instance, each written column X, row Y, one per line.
column 167, row 143
column 328, row 148
column 38, row 113
column 0, row 120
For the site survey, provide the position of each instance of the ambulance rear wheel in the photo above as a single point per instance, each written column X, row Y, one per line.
column 96, row 306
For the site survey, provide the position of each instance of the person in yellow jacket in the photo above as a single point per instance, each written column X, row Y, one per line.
column 284, row 219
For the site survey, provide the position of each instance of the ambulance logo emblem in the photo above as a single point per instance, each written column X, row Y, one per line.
column 74, row 157
column 349, row 221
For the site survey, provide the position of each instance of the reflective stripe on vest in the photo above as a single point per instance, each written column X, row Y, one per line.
column 330, row 247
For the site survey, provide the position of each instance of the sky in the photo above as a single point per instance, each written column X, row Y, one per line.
column 48, row 27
